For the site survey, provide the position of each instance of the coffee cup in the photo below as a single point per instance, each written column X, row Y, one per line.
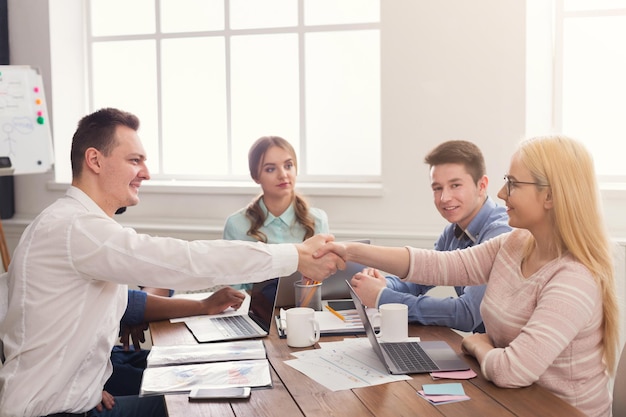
column 394, row 322
column 302, row 328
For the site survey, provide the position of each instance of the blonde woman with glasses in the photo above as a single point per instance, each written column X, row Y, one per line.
column 550, row 308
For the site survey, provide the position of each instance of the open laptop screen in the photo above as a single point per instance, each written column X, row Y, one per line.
column 262, row 302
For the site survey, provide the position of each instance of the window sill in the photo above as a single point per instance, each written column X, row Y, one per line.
column 612, row 190
column 318, row 189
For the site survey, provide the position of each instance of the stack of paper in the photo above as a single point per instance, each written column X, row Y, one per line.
column 177, row 369
column 208, row 352
column 443, row 393
column 351, row 363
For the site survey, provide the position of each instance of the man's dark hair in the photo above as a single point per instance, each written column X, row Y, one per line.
column 97, row 130
column 459, row 152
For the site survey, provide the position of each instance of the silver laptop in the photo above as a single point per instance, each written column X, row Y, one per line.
column 333, row 287
column 409, row 357
column 254, row 324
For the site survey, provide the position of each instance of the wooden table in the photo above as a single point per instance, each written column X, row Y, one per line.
column 294, row 394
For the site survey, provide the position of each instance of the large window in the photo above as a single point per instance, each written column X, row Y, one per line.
column 590, row 79
column 208, row 77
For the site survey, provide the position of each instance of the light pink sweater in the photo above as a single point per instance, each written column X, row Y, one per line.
column 546, row 328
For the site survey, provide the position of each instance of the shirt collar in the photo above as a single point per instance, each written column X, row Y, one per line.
column 288, row 216
column 473, row 229
column 83, row 198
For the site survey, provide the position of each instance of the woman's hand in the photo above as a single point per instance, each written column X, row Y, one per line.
column 477, row 345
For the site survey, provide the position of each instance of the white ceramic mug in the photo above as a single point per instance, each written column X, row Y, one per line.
column 394, row 322
column 302, row 328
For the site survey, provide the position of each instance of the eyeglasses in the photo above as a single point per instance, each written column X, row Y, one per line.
column 509, row 182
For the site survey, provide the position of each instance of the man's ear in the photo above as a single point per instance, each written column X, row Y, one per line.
column 482, row 184
column 92, row 159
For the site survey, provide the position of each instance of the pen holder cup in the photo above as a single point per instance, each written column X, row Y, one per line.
column 308, row 295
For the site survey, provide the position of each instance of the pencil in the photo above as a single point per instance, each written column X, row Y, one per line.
column 309, row 296
column 305, row 299
column 332, row 310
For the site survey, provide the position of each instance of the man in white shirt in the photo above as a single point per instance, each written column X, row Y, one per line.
column 67, row 279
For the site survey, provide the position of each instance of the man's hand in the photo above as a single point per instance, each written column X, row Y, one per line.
column 136, row 333
column 322, row 267
column 107, row 402
column 222, row 299
column 330, row 247
column 368, row 284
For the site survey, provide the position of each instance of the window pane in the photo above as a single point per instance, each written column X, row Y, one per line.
column 122, row 17
column 194, row 107
column 324, row 12
column 343, row 103
column 250, row 14
column 124, row 77
column 208, row 97
column 572, row 5
column 264, row 86
column 594, row 87
column 191, row 15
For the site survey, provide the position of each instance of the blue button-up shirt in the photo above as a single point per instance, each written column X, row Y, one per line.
column 462, row 312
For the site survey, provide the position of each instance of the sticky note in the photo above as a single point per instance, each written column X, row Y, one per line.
column 454, row 388
column 454, row 374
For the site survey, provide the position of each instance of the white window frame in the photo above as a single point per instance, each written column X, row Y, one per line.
column 545, row 66
column 68, row 45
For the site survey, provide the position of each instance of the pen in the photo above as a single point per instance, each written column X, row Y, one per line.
column 335, row 313
column 311, row 291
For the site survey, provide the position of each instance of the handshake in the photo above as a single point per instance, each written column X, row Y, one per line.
column 320, row 256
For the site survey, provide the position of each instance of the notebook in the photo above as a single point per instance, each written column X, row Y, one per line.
column 409, row 357
column 256, row 323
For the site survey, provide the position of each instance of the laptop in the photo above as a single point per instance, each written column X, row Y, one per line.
column 256, row 323
column 333, row 287
column 409, row 357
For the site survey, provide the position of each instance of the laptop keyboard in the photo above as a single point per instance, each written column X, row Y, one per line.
column 235, row 326
column 409, row 356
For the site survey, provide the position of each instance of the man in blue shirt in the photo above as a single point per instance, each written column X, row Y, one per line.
column 459, row 183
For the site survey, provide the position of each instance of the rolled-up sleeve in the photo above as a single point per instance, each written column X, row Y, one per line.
column 136, row 308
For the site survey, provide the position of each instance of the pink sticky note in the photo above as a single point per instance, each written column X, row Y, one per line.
column 469, row 374
column 443, row 399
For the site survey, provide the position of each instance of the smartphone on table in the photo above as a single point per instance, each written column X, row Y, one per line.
column 217, row 393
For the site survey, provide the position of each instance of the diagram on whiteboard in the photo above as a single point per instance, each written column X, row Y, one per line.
column 25, row 136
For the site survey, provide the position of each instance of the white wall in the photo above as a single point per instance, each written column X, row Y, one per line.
column 451, row 69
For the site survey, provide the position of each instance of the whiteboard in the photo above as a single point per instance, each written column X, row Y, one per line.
column 24, row 121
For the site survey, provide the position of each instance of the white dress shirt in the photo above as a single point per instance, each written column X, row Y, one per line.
column 67, row 292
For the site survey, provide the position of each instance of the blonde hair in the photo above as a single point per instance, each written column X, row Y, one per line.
column 568, row 167
column 254, row 212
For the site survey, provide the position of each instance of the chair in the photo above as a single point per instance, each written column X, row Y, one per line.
column 4, row 305
column 619, row 388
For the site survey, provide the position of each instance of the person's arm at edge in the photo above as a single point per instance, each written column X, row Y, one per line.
column 135, row 308
column 460, row 313
column 163, row 292
column 164, row 308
